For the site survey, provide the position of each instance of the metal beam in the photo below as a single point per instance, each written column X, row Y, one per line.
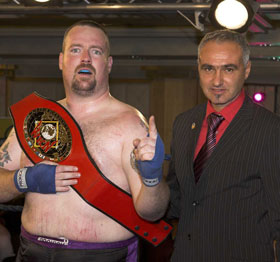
column 119, row 9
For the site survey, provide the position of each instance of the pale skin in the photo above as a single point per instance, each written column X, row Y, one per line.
column 109, row 128
column 10, row 150
column 222, row 72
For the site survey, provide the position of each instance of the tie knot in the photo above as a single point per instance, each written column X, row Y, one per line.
column 214, row 121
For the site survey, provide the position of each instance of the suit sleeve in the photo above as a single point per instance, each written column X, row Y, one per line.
column 174, row 205
column 271, row 179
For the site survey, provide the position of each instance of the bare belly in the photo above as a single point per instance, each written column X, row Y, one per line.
column 67, row 215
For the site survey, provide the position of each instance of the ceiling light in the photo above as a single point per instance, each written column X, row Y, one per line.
column 226, row 13
column 232, row 14
column 42, row 2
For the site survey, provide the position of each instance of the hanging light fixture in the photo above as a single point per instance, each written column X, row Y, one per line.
column 232, row 14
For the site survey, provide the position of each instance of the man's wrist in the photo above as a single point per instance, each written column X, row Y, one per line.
column 39, row 178
column 151, row 170
column 151, row 182
column 20, row 180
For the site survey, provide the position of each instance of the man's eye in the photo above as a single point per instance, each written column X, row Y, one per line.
column 229, row 69
column 96, row 52
column 75, row 50
column 207, row 68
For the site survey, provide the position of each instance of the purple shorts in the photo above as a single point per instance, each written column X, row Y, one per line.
column 34, row 247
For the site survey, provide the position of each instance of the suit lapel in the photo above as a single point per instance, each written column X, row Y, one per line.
column 190, row 133
column 234, row 132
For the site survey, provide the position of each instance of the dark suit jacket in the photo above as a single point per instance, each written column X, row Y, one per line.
column 233, row 212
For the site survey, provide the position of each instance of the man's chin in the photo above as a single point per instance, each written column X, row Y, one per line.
column 83, row 90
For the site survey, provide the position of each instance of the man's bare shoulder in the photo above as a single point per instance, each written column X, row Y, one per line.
column 133, row 120
column 106, row 114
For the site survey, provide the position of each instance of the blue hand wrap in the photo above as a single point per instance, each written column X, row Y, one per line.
column 151, row 170
column 39, row 178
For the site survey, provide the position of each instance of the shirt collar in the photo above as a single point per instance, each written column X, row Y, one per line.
column 230, row 110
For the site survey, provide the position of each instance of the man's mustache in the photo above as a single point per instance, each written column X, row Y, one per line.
column 85, row 66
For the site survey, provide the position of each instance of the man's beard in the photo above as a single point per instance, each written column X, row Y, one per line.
column 218, row 96
column 83, row 88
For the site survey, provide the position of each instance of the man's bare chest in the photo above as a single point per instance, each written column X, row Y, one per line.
column 104, row 143
column 102, row 139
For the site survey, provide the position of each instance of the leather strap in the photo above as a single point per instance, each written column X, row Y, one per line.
column 93, row 186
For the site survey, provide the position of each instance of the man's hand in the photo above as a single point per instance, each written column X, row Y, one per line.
column 149, row 153
column 46, row 178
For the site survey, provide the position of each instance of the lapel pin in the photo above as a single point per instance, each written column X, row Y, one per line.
column 193, row 125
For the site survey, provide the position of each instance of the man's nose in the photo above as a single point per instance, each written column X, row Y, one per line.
column 86, row 57
column 218, row 78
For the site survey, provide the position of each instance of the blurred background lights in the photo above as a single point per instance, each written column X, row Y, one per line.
column 258, row 97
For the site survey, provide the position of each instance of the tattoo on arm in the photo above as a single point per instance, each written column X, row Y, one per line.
column 4, row 156
column 144, row 125
column 133, row 162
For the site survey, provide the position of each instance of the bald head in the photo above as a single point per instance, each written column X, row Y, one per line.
column 89, row 23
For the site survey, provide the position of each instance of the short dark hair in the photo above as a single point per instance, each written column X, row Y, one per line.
column 226, row 35
column 89, row 23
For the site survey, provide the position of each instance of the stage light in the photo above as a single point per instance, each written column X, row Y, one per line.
column 259, row 97
column 232, row 14
column 43, row 2
column 226, row 11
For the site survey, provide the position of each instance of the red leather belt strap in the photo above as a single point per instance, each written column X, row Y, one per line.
column 93, row 186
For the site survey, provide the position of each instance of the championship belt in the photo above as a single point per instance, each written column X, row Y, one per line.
column 47, row 131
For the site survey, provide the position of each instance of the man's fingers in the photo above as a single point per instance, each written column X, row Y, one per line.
column 48, row 162
column 66, row 176
column 65, row 183
column 152, row 127
column 146, row 156
column 62, row 189
column 144, row 149
column 62, row 168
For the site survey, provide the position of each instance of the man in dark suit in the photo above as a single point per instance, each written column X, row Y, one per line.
column 230, row 211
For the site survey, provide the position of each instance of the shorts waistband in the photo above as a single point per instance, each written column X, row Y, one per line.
column 62, row 242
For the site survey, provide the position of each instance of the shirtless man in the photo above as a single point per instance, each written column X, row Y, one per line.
column 111, row 130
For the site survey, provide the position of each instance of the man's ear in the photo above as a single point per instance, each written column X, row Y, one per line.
column 110, row 63
column 198, row 64
column 247, row 69
column 60, row 60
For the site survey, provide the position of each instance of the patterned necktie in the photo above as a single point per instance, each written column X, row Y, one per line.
column 214, row 121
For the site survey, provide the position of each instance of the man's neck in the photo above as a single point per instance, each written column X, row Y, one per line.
column 79, row 105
